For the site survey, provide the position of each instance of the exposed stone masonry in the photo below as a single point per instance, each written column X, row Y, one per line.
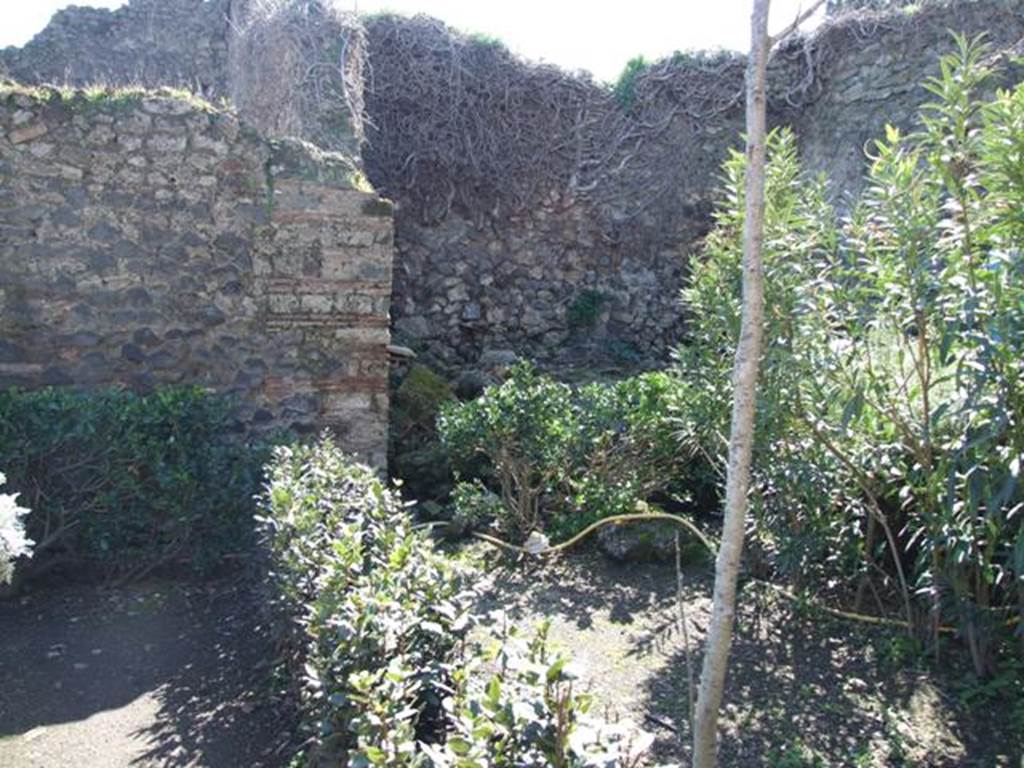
column 464, row 286
column 148, row 238
column 563, row 282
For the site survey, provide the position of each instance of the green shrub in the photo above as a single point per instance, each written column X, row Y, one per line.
column 516, row 706
column 562, row 457
column 889, row 433
column 375, row 626
column 626, row 449
column 122, row 483
column 524, row 427
column 380, row 610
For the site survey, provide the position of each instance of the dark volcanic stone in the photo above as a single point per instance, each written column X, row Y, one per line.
column 55, row 377
column 12, row 353
column 145, row 337
column 213, row 316
column 139, row 297
column 104, row 232
column 132, row 353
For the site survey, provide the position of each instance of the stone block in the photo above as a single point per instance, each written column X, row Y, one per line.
column 28, row 133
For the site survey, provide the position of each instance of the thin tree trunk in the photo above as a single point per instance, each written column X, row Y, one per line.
column 745, row 371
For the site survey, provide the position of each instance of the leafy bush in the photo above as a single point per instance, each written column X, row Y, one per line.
column 565, row 457
column 122, row 482
column 380, row 612
column 524, row 426
column 13, row 542
column 376, row 622
column 626, row 450
column 890, row 433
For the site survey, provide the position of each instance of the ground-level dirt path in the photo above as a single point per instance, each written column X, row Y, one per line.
column 158, row 674
column 166, row 674
column 803, row 690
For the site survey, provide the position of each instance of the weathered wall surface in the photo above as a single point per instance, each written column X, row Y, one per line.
column 290, row 70
column 179, row 43
column 150, row 239
column 549, row 285
column 469, row 282
column 870, row 72
column 588, row 266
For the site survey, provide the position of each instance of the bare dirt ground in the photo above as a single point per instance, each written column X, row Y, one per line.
column 803, row 690
column 168, row 674
column 157, row 674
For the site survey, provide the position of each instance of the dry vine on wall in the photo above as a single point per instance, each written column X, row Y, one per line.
column 458, row 123
column 297, row 69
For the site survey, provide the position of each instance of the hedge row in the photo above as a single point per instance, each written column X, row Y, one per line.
column 121, row 483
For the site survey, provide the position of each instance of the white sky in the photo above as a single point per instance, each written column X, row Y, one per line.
column 596, row 35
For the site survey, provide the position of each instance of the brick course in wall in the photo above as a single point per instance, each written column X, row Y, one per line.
column 151, row 239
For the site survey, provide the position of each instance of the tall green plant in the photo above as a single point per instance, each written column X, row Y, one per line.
column 890, row 427
column 796, row 489
column 930, row 303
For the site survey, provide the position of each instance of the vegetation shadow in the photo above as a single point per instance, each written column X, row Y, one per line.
column 179, row 672
column 805, row 689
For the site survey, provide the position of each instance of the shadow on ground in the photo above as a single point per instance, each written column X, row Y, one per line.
column 160, row 674
column 803, row 691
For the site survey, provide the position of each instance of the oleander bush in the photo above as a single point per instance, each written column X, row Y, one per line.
column 375, row 630
column 121, row 483
column 561, row 457
column 891, row 414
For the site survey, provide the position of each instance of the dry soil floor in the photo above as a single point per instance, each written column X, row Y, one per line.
column 165, row 674
column 803, row 691
column 159, row 674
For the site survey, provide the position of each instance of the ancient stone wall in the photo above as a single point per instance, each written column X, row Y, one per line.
column 586, row 263
column 148, row 238
column 467, row 282
column 548, row 285
column 870, row 71
column 179, row 43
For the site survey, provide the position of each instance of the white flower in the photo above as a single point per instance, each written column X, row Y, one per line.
column 13, row 541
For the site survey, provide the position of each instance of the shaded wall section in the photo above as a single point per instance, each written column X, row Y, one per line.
column 148, row 238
